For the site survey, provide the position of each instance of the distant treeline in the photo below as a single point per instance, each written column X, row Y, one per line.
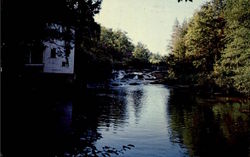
column 115, row 47
column 115, row 50
column 212, row 49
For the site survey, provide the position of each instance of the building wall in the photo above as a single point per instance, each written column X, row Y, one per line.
column 54, row 64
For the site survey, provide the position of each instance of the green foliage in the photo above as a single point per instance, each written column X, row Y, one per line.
column 233, row 70
column 115, row 49
column 141, row 52
column 155, row 58
column 177, row 45
column 204, row 41
column 117, row 44
column 212, row 49
column 179, row 66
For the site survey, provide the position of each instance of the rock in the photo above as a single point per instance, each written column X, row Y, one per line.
column 140, row 76
column 155, row 82
column 134, row 83
column 158, row 82
column 129, row 76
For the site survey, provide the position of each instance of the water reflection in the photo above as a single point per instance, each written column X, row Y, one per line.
column 157, row 120
column 145, row 125
column 208, row 127
column 92, row 110
column 137, row 96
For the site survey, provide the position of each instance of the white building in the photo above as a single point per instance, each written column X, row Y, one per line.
column 57, row 57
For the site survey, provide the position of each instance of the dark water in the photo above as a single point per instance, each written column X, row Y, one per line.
column 145, row 120
column 156, row 121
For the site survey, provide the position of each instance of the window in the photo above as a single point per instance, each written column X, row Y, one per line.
column 53, row 53
column 63, row 64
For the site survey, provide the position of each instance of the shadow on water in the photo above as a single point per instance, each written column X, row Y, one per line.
column 90, row 110
column 209, row 127
column 53, row 123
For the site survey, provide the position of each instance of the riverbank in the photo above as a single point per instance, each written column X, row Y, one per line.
column 161, row 77
column 68, row 86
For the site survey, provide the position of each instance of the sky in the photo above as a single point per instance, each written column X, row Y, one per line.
column 147, row 21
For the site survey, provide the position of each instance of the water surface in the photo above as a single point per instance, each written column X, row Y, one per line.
column 155, row 120
column 129, row 117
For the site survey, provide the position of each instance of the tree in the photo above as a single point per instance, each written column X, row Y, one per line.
column 217, row 46
column 180, row 67
column 177, row 45
column 175, row 35
column 155, row 58
column 26, row 23
column 196, row 46
column 204, row 41
column 141, row 53
column 117, row 44
column 233, row 70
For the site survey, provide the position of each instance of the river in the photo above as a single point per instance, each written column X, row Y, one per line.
column 146, row 120
column 132, row 117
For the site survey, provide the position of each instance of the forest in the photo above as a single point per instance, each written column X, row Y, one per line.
column 209, row 51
